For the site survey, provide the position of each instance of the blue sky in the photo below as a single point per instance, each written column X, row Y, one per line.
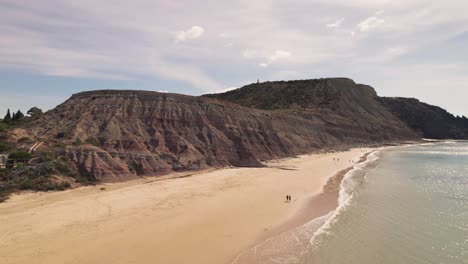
column 51, row 49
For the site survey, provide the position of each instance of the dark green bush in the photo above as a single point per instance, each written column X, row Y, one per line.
column 24, row 139
column 93, row 141
column 20, row 155
column 3, row 126
column 60, row 135
column 4, row 147
column 36, row 178
column 78, row 142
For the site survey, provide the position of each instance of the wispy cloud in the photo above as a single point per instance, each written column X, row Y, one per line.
column 192, row 33
column 208, row 45
column 266, row 57
column 370, row 23
column 336, row 24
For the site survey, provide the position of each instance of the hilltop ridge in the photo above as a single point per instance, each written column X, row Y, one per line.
column 113, row 135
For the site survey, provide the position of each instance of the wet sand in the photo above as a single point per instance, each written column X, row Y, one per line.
column 206, row 218
column 274, row 244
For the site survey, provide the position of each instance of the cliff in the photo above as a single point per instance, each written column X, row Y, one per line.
column 427, row 120
column 113, row 135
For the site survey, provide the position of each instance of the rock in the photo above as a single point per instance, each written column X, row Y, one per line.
column 113, row 135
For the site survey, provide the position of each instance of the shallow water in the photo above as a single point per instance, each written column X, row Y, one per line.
column 410, row 207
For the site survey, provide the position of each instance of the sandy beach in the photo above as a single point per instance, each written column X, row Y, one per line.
column 209, row 217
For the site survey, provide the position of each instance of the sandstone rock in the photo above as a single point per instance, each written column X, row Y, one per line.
column 112, row 135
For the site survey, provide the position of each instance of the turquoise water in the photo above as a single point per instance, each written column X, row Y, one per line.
column 410, row 206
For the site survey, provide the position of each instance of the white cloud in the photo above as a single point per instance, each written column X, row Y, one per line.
column 103, row 39
column 370, row 23
column 192, row 33
column 275, row 56
column 266, row 57
column 224, row 90
column 336, row 24
column 279, row 54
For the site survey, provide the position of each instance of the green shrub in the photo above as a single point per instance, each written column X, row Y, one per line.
column 93, row 141
column 4, row 147
column 60, row 135
column 78, row 142
column 20, row 155
column 62, row 186
column 35, row 112
column 4, row 126
column 24, row 139
column 36, row 178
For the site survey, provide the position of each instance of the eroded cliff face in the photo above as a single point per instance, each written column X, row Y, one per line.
column 114, row 135
column 427, row 120
column 346, row 110
column 146, row 133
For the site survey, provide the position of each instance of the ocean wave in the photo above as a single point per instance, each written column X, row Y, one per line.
column 348, row 186
column 453, row 152
column 293, row 245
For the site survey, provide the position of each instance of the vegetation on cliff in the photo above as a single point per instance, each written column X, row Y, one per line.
column 113, row 135
column 40, row 171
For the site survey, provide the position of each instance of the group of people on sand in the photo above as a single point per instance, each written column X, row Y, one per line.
column 288, row 198
column 337, row 159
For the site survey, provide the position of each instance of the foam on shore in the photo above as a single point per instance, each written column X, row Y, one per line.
column 292, row 245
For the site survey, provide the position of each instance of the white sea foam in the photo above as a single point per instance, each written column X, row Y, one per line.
column 289, row 247
column 348, row 185
column 451, row 152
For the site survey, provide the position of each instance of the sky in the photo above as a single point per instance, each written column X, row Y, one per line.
column 50, row 49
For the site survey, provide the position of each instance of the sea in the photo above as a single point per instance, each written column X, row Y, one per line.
column 405, row 204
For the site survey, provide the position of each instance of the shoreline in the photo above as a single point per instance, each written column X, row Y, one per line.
column 211, row 216
column 315, row 207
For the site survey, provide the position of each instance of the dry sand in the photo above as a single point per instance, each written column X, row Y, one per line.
column 207, row 218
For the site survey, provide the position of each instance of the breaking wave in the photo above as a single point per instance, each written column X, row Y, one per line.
column 292, row 246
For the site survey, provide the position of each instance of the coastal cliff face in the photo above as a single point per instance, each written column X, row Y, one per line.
column 112, row 135
column 428, row 120
column 346, row 110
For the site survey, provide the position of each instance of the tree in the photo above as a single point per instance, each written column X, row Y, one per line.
column 18, row 115
column 35, row 112
column 7, row 117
